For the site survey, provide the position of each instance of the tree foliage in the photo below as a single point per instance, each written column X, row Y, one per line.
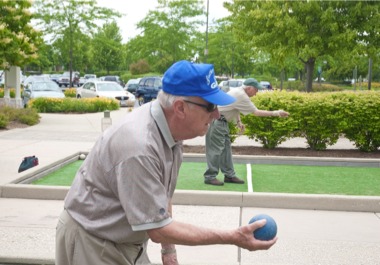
column 19, row 41
column 66, row 19
column 304, row 29
column 107, row 47
column 168, row 34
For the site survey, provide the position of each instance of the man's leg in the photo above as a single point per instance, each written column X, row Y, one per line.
column 75, row 246
column 226, row 162
column 214, row 148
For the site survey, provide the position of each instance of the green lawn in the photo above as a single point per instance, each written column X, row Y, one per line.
column 265, row 178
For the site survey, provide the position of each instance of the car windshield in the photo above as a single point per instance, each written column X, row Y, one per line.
column 235, row 83
column 90, row 76
column 45, row 86
column 36, row 78
column 133, row 85
column 157, row 83
column 109, row 87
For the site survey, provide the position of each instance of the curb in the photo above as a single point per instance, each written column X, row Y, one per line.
column 220, row 198
column 223, row 198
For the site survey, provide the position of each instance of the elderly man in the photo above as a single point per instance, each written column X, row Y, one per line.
column 121, row 195
column 218, row 143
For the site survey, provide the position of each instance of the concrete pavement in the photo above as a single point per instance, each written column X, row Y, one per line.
column 306, row 235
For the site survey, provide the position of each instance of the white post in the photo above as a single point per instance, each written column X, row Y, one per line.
column 13, row 80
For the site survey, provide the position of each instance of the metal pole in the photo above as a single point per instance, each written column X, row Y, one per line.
column 206, row 50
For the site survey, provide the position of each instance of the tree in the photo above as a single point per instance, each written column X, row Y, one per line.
column 19, row 41
column 229, row 55
column 69, row 18
column 169, row 33
column 303, row 29
column 108, row 49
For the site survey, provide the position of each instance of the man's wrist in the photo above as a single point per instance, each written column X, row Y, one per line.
column 166, row 251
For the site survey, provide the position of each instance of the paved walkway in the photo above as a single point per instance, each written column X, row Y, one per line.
column 306, row 236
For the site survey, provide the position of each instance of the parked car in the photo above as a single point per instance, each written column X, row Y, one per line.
column 132, row 85
column 266, row 85
column 230, row 84
column 114, row 78
column 64, row 80
column 85, row 78
column 55, row 77
column 224, row 85
column 38, row 89
column 35, row 78
column 148, row 89
column 108, row 89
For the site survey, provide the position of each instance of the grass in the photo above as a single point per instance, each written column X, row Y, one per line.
column 265, row 178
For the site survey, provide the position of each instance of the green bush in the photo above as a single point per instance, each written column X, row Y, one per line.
column 361, row 118
column 12, row 92
column 71, row 92
column 25, row 116
column 72, row 105
column 140, row 67
column 4, row 120
column 270, row 131
column 319, row 117
column 28, row 116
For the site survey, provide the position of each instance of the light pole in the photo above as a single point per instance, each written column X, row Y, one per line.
column 206, row 50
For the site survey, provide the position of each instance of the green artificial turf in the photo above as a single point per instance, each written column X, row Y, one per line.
column 265, row 178
column 61, row 177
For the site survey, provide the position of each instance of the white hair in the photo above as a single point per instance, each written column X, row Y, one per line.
column 166, row 100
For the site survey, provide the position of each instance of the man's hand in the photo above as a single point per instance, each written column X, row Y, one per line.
column 241, row 126
column 280, row 113
column 246, row 240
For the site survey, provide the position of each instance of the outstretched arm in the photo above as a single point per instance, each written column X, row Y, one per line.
column 187, row 234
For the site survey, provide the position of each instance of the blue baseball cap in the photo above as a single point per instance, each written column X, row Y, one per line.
column 185, row 78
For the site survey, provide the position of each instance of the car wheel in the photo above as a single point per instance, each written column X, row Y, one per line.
column 78, row 96
column 141, row 101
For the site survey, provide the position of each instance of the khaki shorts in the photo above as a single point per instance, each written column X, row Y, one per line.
column 74, row 246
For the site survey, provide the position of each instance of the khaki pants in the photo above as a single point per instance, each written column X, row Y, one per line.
column 218, row 151
column 74, row 246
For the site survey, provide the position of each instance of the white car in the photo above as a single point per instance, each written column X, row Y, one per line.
column 39, row 89
column 231, row 84
column 107, row 89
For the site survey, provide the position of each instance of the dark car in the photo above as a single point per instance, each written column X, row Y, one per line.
column 148, row 89
column 64, row 79
column 266, row 85
column 114, row 78
column 132, row 85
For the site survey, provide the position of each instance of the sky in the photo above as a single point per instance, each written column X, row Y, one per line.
column 136, row 10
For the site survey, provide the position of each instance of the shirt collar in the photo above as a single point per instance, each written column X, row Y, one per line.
column 159, row 117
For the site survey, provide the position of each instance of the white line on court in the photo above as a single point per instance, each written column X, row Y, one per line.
column 249, row 178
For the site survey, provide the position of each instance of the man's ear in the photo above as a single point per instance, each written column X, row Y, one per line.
column 179, row 108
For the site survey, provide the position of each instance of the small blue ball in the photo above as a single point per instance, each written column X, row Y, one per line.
column 268, row 231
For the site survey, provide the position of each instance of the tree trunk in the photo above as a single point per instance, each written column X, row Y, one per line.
column 309, row 74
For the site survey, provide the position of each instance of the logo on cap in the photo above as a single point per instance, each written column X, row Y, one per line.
column 210, row 75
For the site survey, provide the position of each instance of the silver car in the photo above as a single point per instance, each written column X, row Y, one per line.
column 38, row 89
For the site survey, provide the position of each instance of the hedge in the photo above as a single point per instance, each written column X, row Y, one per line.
column 319, row 117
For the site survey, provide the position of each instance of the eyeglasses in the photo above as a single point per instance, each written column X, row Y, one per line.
column 210, row 107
